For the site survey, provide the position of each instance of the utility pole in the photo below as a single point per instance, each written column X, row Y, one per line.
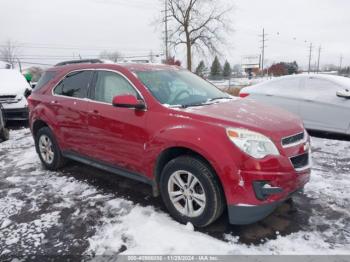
column 310, row 54
column 166, row 29
column 340, row 62
column 318, row 60
column 263, row 36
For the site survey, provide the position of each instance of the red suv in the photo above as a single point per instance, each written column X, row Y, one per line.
column 199, row 148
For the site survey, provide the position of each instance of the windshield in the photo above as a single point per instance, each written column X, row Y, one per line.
column 180, row 88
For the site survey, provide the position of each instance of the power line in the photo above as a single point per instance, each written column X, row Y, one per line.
column 53, row 58
column 134, row 4
column 64, row 47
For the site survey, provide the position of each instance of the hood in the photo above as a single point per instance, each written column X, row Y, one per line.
column 248, row 114
column 12, row 82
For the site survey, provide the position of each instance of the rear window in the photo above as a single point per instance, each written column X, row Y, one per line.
column 74, row 85
column 44, row 79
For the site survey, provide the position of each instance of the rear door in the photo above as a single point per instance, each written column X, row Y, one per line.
column 119, row 134
column 321, row 109
column 71, row 107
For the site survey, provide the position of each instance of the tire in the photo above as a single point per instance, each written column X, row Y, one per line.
column 4, row 134
column 52, row 159
column 200, row 204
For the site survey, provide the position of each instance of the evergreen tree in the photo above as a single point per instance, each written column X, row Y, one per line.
column 292, row 68
column 227, row 70
column 216, row 68
column 200, row 70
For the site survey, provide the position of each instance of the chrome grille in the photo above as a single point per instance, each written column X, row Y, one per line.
column 293, row 140
column 7, row 98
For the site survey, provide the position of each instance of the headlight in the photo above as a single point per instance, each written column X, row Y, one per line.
column 252, row 143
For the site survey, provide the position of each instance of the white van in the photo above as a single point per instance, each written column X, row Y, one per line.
column 14, row 89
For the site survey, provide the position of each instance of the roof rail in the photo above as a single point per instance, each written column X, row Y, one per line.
column 81, row 61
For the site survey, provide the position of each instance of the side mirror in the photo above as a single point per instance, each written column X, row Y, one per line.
column 128, row 101
column 344, row 93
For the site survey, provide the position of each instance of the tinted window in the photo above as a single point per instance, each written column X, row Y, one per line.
column 74, row 85
column 109, row 85
column 44, row 79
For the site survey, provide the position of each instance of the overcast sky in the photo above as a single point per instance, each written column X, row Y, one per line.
column 54, row 30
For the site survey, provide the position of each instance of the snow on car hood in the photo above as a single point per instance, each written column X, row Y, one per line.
column 12, row 82
column 248, row 114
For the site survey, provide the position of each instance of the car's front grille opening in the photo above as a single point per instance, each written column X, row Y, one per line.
column 301, row 161
column 7, row 98
column 16, row 114
column 293, row 140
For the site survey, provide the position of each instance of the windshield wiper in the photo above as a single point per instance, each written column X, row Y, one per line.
column 195, row 104
column 219, row 98
column 208, row 102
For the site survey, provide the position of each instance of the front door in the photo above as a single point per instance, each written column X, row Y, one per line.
column 119, row 134
column 321, row 108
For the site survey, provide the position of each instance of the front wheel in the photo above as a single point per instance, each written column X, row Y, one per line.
column 191, row 191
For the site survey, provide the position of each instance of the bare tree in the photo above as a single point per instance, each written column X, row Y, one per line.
column 199, row 24
column 113, row 56
column 9, row 52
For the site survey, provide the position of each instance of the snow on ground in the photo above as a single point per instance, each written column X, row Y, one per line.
column 66, row 212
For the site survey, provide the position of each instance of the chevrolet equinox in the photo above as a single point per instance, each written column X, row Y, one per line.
column 202, row 150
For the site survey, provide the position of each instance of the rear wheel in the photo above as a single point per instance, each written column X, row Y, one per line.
column 48, row 150
column 191, row 191
column 4, row 134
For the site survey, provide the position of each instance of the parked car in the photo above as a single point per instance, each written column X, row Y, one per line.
column 322, row 101
column 13, row 92
column 4, row 132
column 199, row 148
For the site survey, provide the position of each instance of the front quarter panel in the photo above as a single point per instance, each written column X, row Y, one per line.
column 210, row 141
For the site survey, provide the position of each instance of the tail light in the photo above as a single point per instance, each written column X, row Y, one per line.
column 243, row 94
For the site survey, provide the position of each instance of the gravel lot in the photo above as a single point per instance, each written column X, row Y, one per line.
column 85, row 211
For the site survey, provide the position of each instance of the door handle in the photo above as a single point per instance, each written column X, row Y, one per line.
column 54, row 102
column 95, row 112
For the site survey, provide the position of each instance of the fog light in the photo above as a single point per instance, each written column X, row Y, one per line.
column 263, row 189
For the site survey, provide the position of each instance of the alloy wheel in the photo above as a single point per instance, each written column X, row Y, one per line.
column 46, row 150
column 186, row 193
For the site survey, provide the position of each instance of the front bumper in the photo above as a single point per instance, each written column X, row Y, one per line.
column 259, row 186
column 16, row 114
column 246, row 214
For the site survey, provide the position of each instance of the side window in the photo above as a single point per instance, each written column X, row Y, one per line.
column 75, row 84
column 44, row 79
column 109, row 85
column 321, row 84
column 320, row 89
column 288, row 86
